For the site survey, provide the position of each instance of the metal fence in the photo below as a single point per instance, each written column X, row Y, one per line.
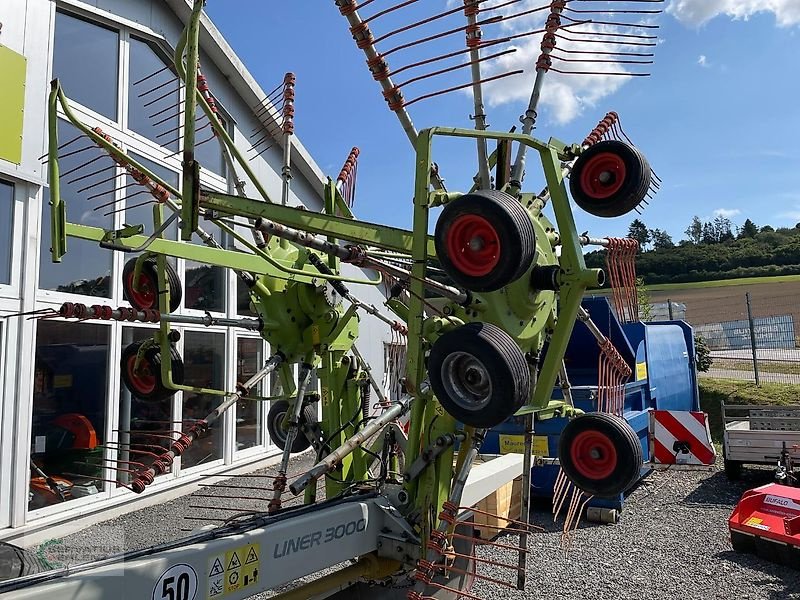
column 753, row 335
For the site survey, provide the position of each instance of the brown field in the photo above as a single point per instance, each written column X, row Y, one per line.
column 728, row 303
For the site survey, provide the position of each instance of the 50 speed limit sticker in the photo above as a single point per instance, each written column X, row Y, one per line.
column 179, row 582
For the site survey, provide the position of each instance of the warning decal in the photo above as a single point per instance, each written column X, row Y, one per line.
column 216, row 569
column 232, row 571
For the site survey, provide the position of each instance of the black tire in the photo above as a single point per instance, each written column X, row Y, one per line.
column 18, row 562
column 148, row 299
column 147, row 384
column 276, row 432
column 610, row 179
column 601, row 454
column 496, row 219
column 500, row 374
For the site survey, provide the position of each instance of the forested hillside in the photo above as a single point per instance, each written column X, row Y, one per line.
column 712, row 250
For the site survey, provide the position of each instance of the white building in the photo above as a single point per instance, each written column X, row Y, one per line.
column 101, row 50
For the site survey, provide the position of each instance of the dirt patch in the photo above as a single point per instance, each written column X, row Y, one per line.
column 718, row 304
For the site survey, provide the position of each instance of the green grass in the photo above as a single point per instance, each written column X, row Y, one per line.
column 713, row 392
column 660, row 287
column 785, row 368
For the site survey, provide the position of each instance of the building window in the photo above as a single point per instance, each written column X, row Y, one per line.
column 69, row 412
column 88, row 186
column 86, row 60
column 153, row 96
column 6, row 219
column 205, row 285
column 145, row 427
column 249, row 413
column 204, row 359
column 139, row 202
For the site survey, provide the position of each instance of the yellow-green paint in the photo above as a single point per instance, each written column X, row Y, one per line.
column 12, row 104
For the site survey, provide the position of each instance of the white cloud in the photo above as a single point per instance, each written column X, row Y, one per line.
column 727, row 213
column 564, row 97
column 703, row 61
column 698, row 12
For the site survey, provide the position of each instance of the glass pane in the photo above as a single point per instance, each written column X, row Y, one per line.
column 207, row 148
column 204, row 359
column 144, row 427
column 139, row 202
column 243, row 300
column 86, row 60
column 69, row 411
column 6, row 218
column 86, row 190
column 153, row 96
column 249, row 414
column 205, row 285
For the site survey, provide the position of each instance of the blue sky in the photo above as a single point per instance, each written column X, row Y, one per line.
column 719, row 119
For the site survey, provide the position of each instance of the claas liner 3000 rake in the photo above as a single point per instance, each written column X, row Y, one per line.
column 487, row 305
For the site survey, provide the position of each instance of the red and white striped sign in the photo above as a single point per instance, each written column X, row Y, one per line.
column 681, row 438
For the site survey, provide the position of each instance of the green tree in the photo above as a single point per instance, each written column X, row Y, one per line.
column 709, row 234
column 695, row 230
column 767, row 228
column 748, row 230
column 723, row 229
column 703, row 359
column 639, row 232
column 643, row 299
column 661, row 239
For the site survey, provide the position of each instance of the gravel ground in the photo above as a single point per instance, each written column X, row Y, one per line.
column 671, row 542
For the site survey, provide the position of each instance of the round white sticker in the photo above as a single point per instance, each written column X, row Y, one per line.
column 179, row 582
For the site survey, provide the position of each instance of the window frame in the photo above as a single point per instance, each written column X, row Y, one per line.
column 112, row 377
column 19, row 196
column 130, row 142
column 263, row 439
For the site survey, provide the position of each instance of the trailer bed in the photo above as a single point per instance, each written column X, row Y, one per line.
column 757, row 435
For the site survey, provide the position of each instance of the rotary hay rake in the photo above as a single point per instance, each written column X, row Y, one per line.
column 486, row 305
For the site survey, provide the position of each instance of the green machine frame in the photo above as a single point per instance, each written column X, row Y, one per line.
column 282, row 273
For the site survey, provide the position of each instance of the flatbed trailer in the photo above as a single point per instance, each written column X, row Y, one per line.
column 756, row 434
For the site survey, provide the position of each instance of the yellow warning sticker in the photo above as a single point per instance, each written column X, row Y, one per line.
column 232, row 571
column 515, row 444
column 641, row 371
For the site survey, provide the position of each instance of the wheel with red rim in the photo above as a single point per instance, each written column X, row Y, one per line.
column 144, row 295
column 145, row 381
column 610, row 179
column 601, row 454
column 485, row 240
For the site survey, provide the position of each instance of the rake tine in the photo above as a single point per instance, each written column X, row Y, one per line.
column 162, row 111
column 72, row 181
column 143, row 79
column 461, row 87
column 174, row 129
column 128, row 208
column 271, row 104
column 122, row 187
column 279, row 87
column 161, row 97
column 262, row 151
column 453, row 68
column 74, row 152
column 83, row 189
column 158, row 87
column 62, row 146
column 102, row 206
